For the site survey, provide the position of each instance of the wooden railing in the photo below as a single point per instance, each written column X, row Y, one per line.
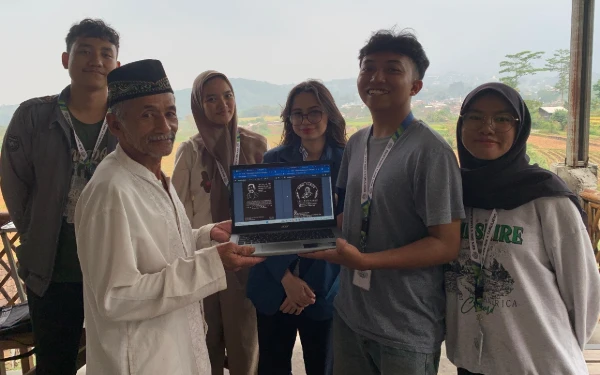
column 591, row 205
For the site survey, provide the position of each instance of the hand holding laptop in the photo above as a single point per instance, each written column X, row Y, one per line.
column 344, row 254
column 235, row 257
column 221, row 232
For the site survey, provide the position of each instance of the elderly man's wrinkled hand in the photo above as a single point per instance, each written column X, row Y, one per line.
column 221, row 232
column 235, row 257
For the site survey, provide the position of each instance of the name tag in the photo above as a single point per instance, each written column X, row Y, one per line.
column 362, row 279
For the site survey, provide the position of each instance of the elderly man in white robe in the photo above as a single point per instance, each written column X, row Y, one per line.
column 145, row 271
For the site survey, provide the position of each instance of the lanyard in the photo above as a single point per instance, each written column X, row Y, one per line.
column 80, row 148
column 236, row 160
column 366, row 195
column 476, row 257
column 304, row 153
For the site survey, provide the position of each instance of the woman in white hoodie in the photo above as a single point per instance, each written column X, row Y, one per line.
column 523, row 297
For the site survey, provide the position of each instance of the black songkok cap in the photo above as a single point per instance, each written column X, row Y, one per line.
column 136, row 79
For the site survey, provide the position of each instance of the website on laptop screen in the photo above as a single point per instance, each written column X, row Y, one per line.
column 282, row 194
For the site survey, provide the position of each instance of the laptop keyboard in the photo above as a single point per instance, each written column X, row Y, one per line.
column 298, row 235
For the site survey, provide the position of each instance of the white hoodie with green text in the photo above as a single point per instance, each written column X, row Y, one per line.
column 541, row 299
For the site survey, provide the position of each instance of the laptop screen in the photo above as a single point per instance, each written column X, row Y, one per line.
column 266, row 194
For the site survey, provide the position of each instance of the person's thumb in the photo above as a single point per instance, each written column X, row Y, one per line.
column 341, row 244
column 245, row 251
column 309, row 291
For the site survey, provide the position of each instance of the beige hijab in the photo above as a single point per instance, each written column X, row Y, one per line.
column 217, row 142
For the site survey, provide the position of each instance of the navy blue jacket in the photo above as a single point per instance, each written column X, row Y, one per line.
column 264, row 286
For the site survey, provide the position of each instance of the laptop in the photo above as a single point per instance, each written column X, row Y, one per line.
column 283, row 208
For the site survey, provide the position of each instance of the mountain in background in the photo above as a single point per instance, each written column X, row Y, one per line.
column 253, row 98
column 257, row 99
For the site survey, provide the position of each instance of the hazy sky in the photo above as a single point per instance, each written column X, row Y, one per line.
column 273, row 40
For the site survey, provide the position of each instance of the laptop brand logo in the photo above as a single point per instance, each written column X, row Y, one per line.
column 284, row 226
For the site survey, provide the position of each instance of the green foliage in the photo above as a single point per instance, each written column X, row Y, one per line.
column 533, row 105
column 548, row 96
column 596, row 89
column 562, row 117
column 594, row 130
column 538, row 122
column 560, row 63
column 441, row 115
column 260, row 111
column 447, row 131
column 536, row 158
column 519, row 65
column 510, row 81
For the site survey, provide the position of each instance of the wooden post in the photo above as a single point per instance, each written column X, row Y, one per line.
column 580, row 90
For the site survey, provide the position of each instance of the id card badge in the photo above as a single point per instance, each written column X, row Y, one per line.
column 480, row 342
column 362, row 279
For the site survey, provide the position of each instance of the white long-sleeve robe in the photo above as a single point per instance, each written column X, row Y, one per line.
column 143, row 277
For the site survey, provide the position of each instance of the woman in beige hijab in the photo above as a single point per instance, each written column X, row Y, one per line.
column 201, row 178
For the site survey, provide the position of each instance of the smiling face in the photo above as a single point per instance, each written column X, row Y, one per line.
column 387, row 81
column 89, row 62
column 477, row 135
column 218, row 101
column 146, row 127
column 307, row 116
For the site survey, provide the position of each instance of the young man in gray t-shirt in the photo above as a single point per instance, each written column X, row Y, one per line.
column 400, row 229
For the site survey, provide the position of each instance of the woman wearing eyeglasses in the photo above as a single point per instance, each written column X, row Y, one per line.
column 293, row 294
column 201, row 181
column 523, row 297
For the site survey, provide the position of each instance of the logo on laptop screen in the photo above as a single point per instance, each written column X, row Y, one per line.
column 307, row 201
column 306, row 190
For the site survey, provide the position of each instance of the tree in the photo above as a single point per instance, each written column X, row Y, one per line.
column 596, row 89
column 533, row 105
column 562, row 117
column 519, row 65
column 560, row 63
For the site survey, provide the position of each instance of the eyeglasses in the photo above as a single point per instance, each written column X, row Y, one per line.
column 313, row 117
column 500, row 123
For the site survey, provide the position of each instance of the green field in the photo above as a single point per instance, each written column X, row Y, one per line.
column 544, row 148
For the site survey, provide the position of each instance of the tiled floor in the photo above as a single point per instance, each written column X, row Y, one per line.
column 446, row 368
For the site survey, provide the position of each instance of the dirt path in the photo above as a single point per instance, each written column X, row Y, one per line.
column 556, row 142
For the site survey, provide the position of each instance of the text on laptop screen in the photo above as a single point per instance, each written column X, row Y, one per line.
column 282, row 194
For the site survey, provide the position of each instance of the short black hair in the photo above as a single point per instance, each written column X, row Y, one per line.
column 403, row 43
column 92, row 28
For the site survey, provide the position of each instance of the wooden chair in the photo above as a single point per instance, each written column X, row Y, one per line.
column 13, row 292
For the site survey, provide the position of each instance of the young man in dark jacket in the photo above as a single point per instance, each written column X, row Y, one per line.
column 50, row 151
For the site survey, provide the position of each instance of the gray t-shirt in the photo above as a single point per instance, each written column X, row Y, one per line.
column 418, row 185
